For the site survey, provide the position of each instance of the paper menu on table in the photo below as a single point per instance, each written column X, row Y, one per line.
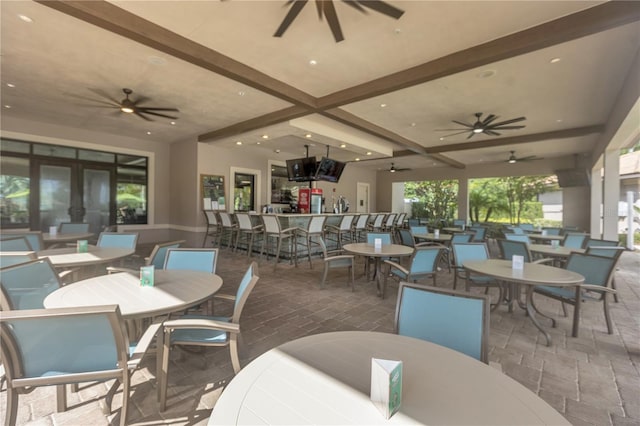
column 147, row 276
column 377, row 244
column 517, row 262
column 386, row 385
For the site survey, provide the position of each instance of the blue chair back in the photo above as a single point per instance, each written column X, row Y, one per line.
column 118, row 240
column 596, row 270
column 406, row 237
column 480, row 233
column 419, row 229
column 593, row 242
column 249, row 280
column 463, row 252
column 518, row 237
column 425, row 260
column 461, row 238
column 73, row 228
column 606, row 251
column 385, row 236
column 459, row 223
column 552, row 231
column 413, row 222
column 33, row 237
column 159, row 253
column 26, row 285
column 11, row 258
column 456, row 320
column 573, row 240
column 14, row 243
column 192, row 259
column 527, row 227
column 509, row 248
column 517, row 230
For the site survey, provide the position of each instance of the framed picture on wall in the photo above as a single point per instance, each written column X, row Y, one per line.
column 212, row 190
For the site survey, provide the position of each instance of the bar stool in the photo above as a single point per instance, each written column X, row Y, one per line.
column 359, row 227
column 315, row 229
column 228, row 227
column 343, row 228
column 272, row 229
column 213, row 227
column 246, row 228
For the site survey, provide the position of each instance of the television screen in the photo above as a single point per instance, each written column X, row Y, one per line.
column 329, row 170
column 301, row 169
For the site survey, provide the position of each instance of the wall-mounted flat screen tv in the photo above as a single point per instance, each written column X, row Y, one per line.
column 301, row 169
column 329, row 170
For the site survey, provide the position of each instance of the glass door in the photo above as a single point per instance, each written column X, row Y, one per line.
column 243, row 194
column 69, row 191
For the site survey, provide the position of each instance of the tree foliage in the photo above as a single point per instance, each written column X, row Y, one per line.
column 439, row 196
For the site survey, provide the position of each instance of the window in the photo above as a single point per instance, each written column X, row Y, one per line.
column 14, row 191
column 244, row 186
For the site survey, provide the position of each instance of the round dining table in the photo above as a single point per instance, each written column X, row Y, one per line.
column 440, row 238
column 385, row 251
column 326, row 379
column 58, row 238
column 68, row 257
column 173, row 290
column 531, row 275
column 546, row 239
column 548, row 250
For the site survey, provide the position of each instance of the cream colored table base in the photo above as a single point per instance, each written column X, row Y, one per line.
column 325, row 379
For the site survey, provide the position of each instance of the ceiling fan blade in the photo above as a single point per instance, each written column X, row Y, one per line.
column 145, row 109
column 449, row 130
column 319, row 10
column 139, row 114
column 355, row 5
column 471, row 135
column 156, row 114
column 104, row 95
column 513, row 120
column 528, row 158
column 382, row 7
column 457, row 133
column 506, row 127
column 491, row 132
column 463, row 124
column 489, row 119
column 332, row 20
column 295, row 9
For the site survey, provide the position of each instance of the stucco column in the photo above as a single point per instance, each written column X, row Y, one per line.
column 611, row 194
column 463, row 199
column 596, row 203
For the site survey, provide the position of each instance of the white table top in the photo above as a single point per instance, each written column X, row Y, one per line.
column 68, row 257
column 65, row 238
column 386, row 250
column 549, row 250
column 432, row 237
column 173, row 291
column 326, row 378
column 533, row 274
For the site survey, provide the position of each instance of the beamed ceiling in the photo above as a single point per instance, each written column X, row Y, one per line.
column 384, row 92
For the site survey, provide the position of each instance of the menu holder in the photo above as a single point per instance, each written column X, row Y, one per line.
column 386, row 385
column 555, row 244
column 147, row 276
column 436, row 233
column 53, row 231
column 377, row 245
column 544, row 232
column 517, row 262
column 82, row 246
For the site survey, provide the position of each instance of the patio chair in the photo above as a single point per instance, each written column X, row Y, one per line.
column 26, row 285
column 609, row 251
column 459, row 237
column 246, row 228
column 509, row 248
column 14, row 243
column 73, row 228
column 118, row 240
column 345, row 228
column 192, row 259
column 359, row 227
column 594, row 242
column 55, row 347
column 413, row 222
column 228, row 228
column 423, row 264
column 315, row 229
column 459, row 223
column 371, row 237
column 418, row 229
column 527, row 227
column 552, row 231
column 213, row 227
column 598, row 271
column 198, row 330
column 36, row 243
column 159, row 253
column 389, row 222
column 337, row 260
column 464, row 252
column 10, row 258
column 518, row 237
column 273, row 230
column 575, row 240
column 480, row 233
column 400, row 221
column 377, row 225
column 456, row 320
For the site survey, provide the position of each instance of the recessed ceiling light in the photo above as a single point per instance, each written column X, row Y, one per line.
column 241, row 93
column 313, row 62
column 7, row 106
column 369, row 153
column 383, row 105
column 238, row 142
column 25, row 18
column 11, row 85
column 148, row 133
column 559, row 120
column 277, row 151
column 357, row 158
column 343, row 145
column 258, row 143
column 173, row 123
column 487, row 74
column 397, row 31
column 308, row 135
column 413, row 124
column 265, row 136
column 442, row 138
column 555, row 60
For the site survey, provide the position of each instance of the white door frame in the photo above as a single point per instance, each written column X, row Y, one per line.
column 362, row 195
column 257, row 201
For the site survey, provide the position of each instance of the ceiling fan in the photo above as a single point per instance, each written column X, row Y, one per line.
column 513, row 159
column 327, row 8
column 130, row 106
column 486, row 126
column 394, row 169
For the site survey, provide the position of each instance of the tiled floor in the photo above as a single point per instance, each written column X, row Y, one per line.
column 593, row 379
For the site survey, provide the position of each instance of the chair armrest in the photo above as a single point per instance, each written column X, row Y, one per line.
column 332, row 227
column 115, row 269
column 224, row 296
column 544, row 260
column 182, row 323
column 292, row 229
column 257, row 228
column 396, row 265
column 590, row 287
column 143, row 345
column 339, row 257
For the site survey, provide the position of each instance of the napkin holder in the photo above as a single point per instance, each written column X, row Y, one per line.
column 147, row 275
column 386, row 385
column 82, row 246
column 53, row 231
column 377, row 245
